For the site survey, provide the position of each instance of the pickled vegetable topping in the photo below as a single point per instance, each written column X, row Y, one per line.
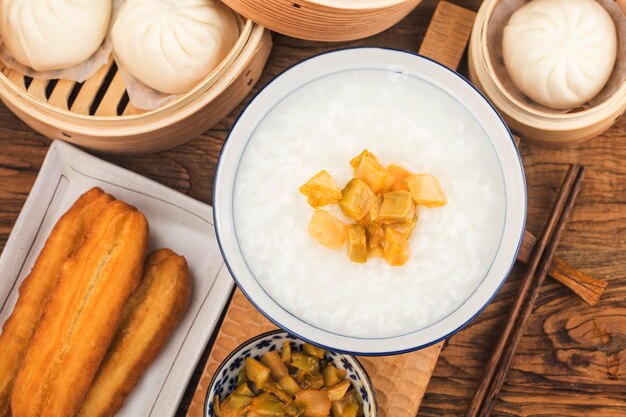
column 356, row 199
column 426, row 190
column 321, row 190
column 382, row 203
column 327, row 229
column 291, row 384
column 357, row 243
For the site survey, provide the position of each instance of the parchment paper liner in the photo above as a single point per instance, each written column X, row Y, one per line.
column 500, row 17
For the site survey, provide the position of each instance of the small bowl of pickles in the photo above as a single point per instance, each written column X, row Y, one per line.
column 278, row 375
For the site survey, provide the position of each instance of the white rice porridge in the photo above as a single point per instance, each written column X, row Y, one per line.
column 403, row 121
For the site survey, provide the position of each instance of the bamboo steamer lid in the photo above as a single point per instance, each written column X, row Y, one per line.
column 325, row 20
column 96, row 114
column 525, row 117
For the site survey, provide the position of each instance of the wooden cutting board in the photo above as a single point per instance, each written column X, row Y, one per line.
column 400, row 380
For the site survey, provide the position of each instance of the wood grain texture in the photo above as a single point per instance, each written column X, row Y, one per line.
column 539, row 264
column 572, row 359
column 448, row 33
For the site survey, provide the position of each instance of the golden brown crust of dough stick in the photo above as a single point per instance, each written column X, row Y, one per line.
column 150, row 316
column 66, row 237
column 82, row 316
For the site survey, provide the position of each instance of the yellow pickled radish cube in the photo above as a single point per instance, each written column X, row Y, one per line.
column 376, row 252
column 405, row 228
column 321, row 190
column 396, row 247
column 397, row 207
column 374, row 174
column 356, row 161
column 400, row 175
column 356, row 198
column 357, row 243
column 375, row 235
column 426, row 190
column 365, row 220
column 375, row 207
column 327, row 229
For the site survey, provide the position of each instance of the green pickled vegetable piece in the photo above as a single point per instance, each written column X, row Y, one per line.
column 357, row 243
column 397, row 207
column 289, row 385
column 314, row 351
column 314, row 403
column 277, row 367
column 356, row 198
column 311, row 381
column 293, row 410
column 305, row 362
column 244, row 389
column 375, row 235
column 234, row 406
column 267, row 405
column 339, row 409
column 286, row 355
column 405, row 228
column 321, row 190
column 332, row 375
column 273, row 388
column 337, row 391
column 242, row 378
column 257, row 373
column 216, row 406
column 349, row 401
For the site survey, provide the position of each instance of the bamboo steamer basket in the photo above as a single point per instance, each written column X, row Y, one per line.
column 525, row 117
column 97, row 115
column 325, row 20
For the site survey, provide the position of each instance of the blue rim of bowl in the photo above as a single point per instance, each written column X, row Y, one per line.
column 248, row 342
column 385, row 353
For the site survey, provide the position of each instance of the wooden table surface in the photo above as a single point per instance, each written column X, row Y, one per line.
column 572, row 360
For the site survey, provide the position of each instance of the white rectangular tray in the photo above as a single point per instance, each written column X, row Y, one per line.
column 176, row 221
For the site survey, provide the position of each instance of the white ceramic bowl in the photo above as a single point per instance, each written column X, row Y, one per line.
column 406, row 64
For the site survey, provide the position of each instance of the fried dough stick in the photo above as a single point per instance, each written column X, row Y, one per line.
column 66, row 237
column 82, row 316
column 150, row 316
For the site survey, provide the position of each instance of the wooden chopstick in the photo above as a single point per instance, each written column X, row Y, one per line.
column 587, row 287
column 538, row 266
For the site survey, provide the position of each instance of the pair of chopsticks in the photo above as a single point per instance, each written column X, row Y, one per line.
column 539, row 265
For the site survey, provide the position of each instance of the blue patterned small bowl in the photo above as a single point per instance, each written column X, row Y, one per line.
column 225, row 378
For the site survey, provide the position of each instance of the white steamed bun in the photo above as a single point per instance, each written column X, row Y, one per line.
column 171, row 45
column 560, row 53
column 53, row 34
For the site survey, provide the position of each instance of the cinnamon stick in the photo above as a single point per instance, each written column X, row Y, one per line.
column 538, row 266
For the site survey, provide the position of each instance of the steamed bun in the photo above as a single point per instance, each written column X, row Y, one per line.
column 53, row 34
column 560, row 53
column 171, row 45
